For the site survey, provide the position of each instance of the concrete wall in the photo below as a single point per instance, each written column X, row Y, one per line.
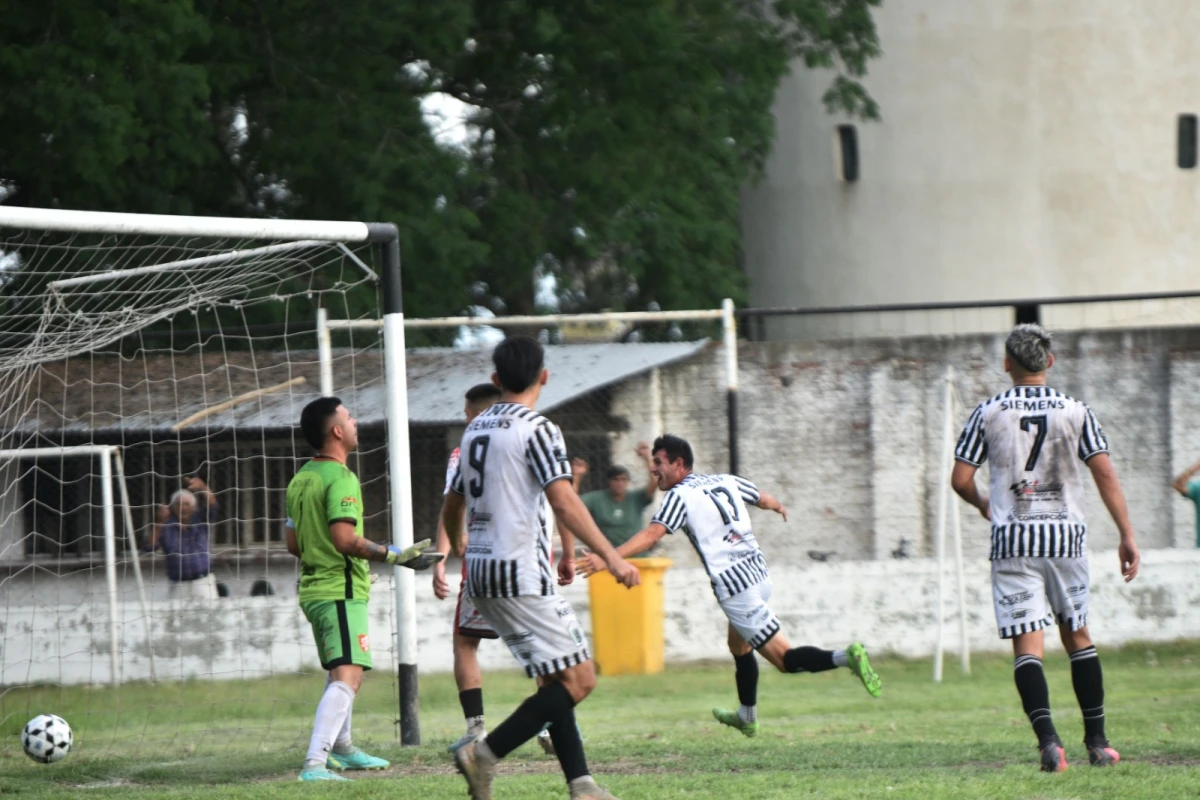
column 890, row 605
column 1026, row 149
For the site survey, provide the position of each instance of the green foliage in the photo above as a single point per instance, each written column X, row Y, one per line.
column 614, row 137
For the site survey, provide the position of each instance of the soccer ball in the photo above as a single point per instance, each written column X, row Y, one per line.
column 47, row 738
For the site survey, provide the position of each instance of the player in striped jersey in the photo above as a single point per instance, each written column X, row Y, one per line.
column 514, row 463
column 1036, row 438
column 711, row 512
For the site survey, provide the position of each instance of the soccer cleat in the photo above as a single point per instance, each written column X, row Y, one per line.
column 731, row 718
column 586, row 788
column 1101, row 754
column 471, row 735
column 320, row 774
column 1054, row 759
column 543, row 738
column 478, row 772
column 856, row 658
column 355, row 759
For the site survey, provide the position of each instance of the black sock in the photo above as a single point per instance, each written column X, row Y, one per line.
column 1089, row 689
column 549, row 704
column 1035, row 695
column 472, row 702
column 747, row 678
column 568, row 746
column 808, row 659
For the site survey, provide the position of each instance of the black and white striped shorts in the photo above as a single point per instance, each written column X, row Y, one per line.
column 750, row 615
column 541, row 631
column 1033, row 592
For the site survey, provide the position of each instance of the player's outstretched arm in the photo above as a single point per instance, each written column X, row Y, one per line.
column 640, row 542
column 768, row 502
column 1105, row 475
column 574, row 515
column 348, row 543
column 962, row 479
column 1180, row 484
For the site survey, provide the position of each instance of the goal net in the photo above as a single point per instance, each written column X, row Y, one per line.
column 152, row 371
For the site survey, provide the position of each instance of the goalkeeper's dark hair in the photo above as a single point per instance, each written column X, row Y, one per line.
column 518, row 361
column 483, row 394
column 314, row 420
column 675, row 447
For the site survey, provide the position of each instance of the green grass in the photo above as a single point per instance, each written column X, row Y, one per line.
column 646, row 737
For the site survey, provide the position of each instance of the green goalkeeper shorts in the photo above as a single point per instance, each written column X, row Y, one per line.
column 340, row 629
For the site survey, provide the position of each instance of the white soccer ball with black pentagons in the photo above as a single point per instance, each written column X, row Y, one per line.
column 47, row 738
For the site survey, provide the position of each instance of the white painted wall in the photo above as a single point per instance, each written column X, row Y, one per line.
column 889, row 605
column 1027, row 149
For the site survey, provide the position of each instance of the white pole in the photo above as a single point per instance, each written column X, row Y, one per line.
column 110, row 560
column 964, row 652
column 133, row 552
column 729, row 340
column 943, row 501
column 538, row 319
column 657, row 423
column 325, row 352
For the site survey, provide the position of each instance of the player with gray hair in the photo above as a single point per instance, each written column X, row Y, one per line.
column 1036, row 438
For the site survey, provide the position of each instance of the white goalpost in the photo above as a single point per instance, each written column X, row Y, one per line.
column 949, row 507
column 170, row 349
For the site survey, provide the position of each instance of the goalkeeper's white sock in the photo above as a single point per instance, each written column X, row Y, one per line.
column 342, row 743
column 840, row 659
column 748, row 713
column 332, row 713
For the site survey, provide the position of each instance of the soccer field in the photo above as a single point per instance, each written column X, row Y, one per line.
column 650, row 737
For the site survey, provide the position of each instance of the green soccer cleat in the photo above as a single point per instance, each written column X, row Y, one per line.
column 356, row 759
column 856, row 656
column 320, row 774
column 731, row 718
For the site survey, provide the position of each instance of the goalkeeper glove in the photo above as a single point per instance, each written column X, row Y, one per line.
column 413, row 557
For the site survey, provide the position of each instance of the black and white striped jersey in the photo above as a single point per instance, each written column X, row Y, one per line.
column 509, row 454
column 1035, row 438
column 711, row 512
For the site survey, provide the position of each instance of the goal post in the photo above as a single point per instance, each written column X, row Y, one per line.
column 109, row 276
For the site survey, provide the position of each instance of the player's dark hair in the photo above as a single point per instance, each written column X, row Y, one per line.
column 518, row 361
column 676, row 447
column 314, row 420
column 481, row 392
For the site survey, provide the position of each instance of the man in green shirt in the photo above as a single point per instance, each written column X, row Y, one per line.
column 324, row 530
column 616, row 510
column 1189, row 486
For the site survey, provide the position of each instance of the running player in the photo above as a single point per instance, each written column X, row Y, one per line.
column 1036, row 438
column 324, row 530
column 513, row 464
column 711, row 512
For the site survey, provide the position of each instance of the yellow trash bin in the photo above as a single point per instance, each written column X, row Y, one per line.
column 627, row 624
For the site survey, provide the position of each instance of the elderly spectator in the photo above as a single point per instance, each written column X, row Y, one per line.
column 182, row 532
column 616, row 510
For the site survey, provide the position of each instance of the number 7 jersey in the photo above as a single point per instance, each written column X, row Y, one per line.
column 1036, row 440
column 711, row 512
column 509, row 454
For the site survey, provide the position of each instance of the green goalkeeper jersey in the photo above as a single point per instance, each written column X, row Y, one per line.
column 322, row 492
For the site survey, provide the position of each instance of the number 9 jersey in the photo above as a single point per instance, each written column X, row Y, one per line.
column 1036, row 439
column 509, row 454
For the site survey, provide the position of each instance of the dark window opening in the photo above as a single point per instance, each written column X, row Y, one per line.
column 847, row 158
column 1187, row 141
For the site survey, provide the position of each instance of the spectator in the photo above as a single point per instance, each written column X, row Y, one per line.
column 1188, row 485
column 616, row 510
column 181, row 532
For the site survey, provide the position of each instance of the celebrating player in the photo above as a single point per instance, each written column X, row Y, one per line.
column 469, row 626
column 324, row 530
column 514, row 461
column 711, row 511
column 1036, row 437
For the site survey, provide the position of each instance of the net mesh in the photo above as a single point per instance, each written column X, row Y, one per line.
column 192, row 357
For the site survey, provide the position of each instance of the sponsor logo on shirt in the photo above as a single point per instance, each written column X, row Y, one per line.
column 349, row 501
column 364, row 643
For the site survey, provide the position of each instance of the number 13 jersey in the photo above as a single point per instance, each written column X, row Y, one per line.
column 1036, row 439
column 509, row 454
column 711, row 511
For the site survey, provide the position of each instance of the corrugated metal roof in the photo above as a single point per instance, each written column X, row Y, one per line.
column 154, row 392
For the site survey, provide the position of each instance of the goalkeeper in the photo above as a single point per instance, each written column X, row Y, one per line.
column 324, row 530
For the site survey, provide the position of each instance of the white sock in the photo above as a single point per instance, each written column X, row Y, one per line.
column 474, row 725
column 839, row 658
column 332, row 712
column 342, row 743
column 748, row 713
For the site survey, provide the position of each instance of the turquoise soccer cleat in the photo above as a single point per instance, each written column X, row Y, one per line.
column 320, row 774
column 856, row 655
column 356, row 759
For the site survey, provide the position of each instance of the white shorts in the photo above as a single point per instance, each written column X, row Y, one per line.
column 541, row 631
column 467, row 619
column 750, row 615
column 1031, row 593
